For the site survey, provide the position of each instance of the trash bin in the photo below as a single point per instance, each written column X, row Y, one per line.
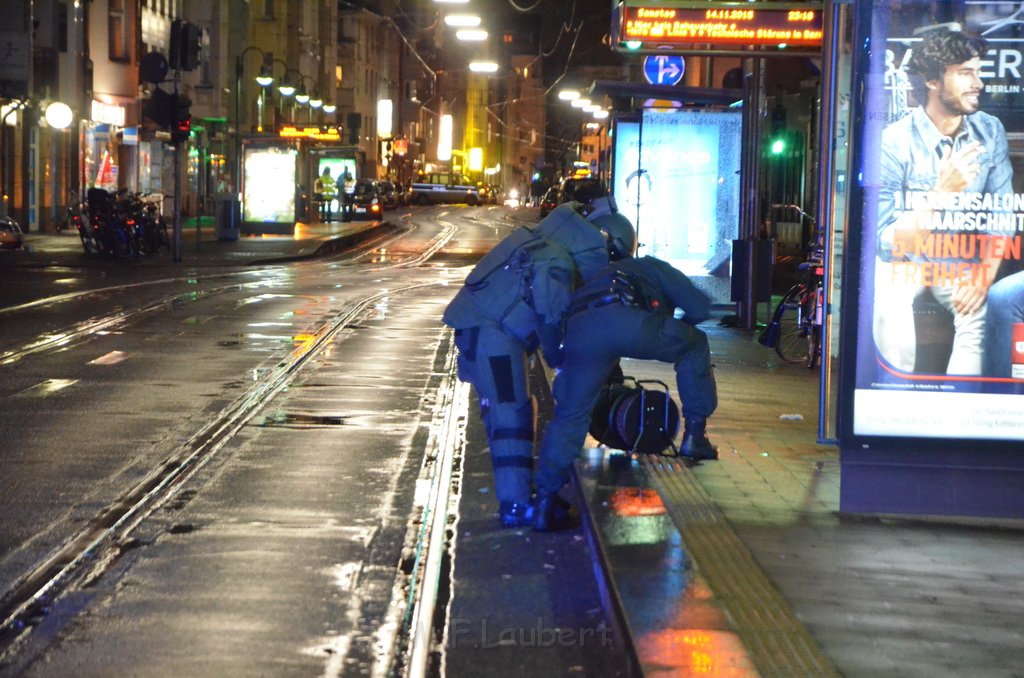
column 228, row 212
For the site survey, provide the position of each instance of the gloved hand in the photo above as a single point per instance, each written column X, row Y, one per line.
column 551, row 345
column 554, row 356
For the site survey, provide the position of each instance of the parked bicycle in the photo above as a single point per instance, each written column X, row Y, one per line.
column 123, row 225
column 794, row 330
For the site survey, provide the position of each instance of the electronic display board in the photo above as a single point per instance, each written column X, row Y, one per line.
column 707, row 26
column 937, row 329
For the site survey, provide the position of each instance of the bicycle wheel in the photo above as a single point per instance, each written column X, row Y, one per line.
column 792, row 343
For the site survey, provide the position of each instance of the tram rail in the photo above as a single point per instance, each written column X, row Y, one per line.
column 85, row 555
column 111, row 528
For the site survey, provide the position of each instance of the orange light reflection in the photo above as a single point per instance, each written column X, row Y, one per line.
column 695, row 652
column 636, row 501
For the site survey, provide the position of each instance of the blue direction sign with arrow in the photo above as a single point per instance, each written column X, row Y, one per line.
column 664, row 69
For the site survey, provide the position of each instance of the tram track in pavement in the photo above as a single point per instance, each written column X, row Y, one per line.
column 85, row 554
column 84, row 557
column 83, row 330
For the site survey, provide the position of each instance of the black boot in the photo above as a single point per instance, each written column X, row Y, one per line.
column 515, row 513
column 552, row 513
column 697, row 447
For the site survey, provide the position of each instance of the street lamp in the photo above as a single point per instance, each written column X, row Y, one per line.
column 58, row 115
column 483, row 66
column 239, row 64
column 471, row 34
column 462, row 20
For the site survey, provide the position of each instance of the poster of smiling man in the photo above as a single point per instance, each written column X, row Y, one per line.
column 940, row 331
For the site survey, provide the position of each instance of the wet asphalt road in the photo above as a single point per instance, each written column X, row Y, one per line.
column 278, row 556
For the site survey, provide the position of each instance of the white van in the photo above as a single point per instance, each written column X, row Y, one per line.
column 442, row 187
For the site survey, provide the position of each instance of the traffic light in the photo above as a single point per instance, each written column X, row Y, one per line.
column 159, row 108
column 185, row 45
column 777, row 144
column 182, row 121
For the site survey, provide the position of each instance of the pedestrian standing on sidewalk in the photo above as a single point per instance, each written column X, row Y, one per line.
column 627, row 310
column 324, row 190
column 514, row 302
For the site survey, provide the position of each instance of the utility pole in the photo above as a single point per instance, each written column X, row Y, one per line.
column 178, row 166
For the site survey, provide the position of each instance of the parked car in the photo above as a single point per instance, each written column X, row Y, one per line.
column 366, row 200
column 11, row 236
column 583, row 189
column 388, row 195
column 549, row 201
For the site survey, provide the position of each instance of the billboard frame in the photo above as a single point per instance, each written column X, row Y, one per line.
column 902, row 474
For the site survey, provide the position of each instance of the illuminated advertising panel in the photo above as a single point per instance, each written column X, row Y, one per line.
column 718, row 25
column 939, row 330
column 269, row 186
column 676, row 177
column 342, row 169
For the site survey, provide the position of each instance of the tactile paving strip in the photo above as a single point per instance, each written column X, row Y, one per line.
column 777, row 642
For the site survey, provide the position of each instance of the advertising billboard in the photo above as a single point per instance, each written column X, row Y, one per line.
column 342, row 169
column 938, row 211
column 675, row 175
column 269, row 188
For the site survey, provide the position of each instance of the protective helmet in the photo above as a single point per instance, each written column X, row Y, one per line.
column 599, row 207
column 618, row 232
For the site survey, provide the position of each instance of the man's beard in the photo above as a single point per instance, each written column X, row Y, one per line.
column 957, row 105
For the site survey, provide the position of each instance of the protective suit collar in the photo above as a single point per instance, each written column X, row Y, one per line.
column 580, row 238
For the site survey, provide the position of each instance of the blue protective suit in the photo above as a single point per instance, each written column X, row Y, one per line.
column 626, row 311
column 513, row 302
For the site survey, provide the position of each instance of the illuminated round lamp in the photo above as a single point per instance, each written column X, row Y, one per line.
column 592, row 108
column 330, row 108
column 301, row 96
column 58, row 115
column 601, row 114
column 264, row 78
column 569, row 94
column 286, row 89
column 315, row 101
column 632, row 44
column 471, row 34
column 483, row 66
column 579, row 103
column 462, row 20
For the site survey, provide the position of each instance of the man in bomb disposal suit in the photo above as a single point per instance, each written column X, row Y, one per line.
column 513, row 302
column 626, row 310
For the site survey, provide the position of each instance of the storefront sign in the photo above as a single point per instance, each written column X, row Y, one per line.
column 110, row 114
column 941, row 292
column 315, row 133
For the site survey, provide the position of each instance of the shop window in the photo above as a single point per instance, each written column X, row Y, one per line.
column 117, row 23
